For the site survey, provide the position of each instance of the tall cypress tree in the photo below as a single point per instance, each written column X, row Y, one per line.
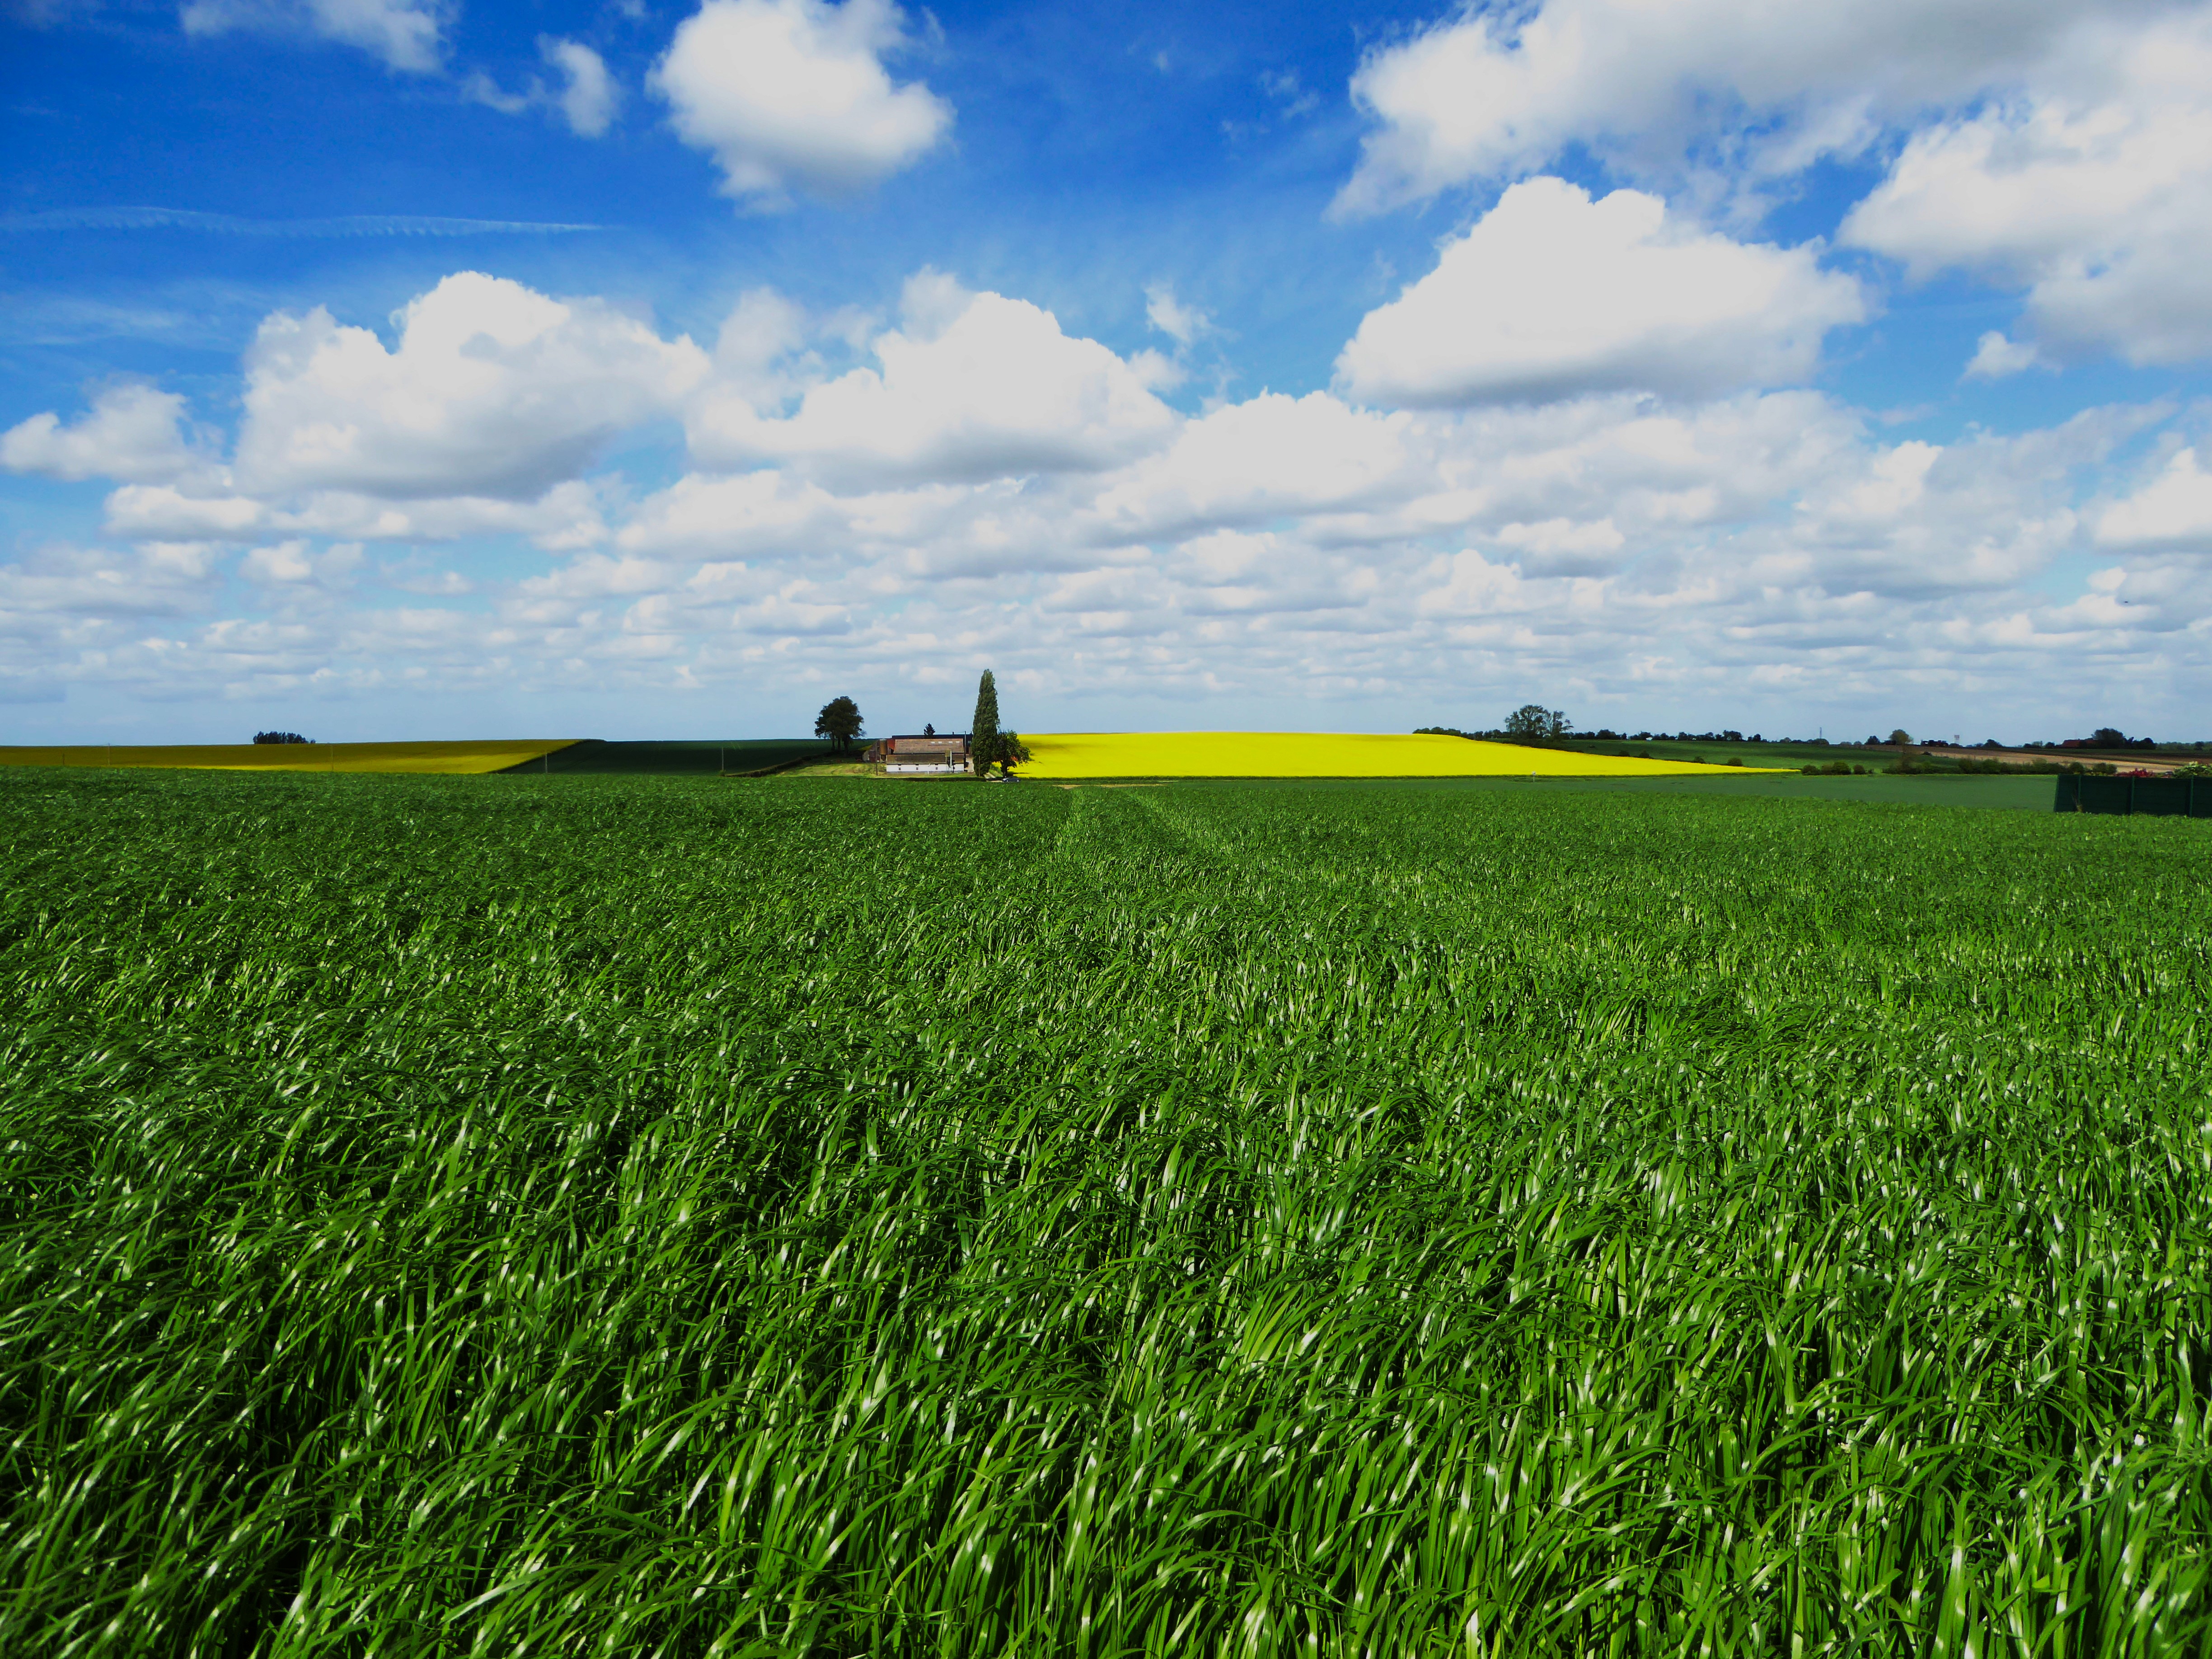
column 983, row 733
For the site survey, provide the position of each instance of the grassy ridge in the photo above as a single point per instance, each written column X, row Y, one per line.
column 633, row 1215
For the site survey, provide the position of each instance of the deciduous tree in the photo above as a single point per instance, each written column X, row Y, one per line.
column 838, row 721
column 1531, row 721
column 1528, row 721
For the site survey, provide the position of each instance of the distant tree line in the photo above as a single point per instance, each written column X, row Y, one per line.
column 1533, row 723
column 279, row 737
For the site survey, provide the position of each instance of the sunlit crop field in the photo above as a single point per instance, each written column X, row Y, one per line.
column 1320, row 754
column 673, row 1216
column 450, row 759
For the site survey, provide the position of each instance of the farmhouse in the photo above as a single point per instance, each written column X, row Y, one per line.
column 931, row 751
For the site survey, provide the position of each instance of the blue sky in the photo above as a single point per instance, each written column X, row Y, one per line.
column 374, row 368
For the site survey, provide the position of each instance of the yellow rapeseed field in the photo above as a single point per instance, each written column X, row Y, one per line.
column 453, row 758
column 1324, row 755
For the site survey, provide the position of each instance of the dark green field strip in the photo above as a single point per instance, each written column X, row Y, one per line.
column 705, row 757
column 1720, row 751
column 634, row 1215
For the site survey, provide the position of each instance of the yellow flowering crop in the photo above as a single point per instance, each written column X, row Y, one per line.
column 1325, row 755
column 489, row 755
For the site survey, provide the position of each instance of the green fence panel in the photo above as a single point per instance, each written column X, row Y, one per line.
column 2113, row 795
column 2165, row 796
column 2162, row 797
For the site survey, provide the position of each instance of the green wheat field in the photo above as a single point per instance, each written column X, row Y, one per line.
column 671, row 1216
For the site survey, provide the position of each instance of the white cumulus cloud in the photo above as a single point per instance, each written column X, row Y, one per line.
column 133, row 433
column 1486, row 92
column 2173, row 510
column 154, row 579
column 493, row 390
column 970, row 386
column 1995, row 356
column 2099, row 206
column 990, row 486
column 566, row 516
column 750, row 515
column 793, row 95
column 592, row 97
column 1559, row 545
column 1266, row 458
column 1552, row 294
column 2058, row 147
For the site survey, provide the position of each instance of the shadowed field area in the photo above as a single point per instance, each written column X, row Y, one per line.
column 677, row 758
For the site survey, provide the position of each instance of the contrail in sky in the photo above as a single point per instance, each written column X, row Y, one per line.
column 360, row 224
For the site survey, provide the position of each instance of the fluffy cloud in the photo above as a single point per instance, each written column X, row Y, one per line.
column 970, row 386
column 1488, row 93
column 297, row 569
column 992, row 488
column 1541, row 479
column 754, row 515
column 155, row 579
column 132, row 432
column 2100, row 207
column 591, row 97
column 588, row 99
column 404, row 34
column 1995, row 356
column 566, row 516
column 2051, row 145
column 1552, row 294
column 792, row 93
column 1918, row 521
column 1566, row 545
column 2173, row 510
column 495, row 390
column 1244, row 464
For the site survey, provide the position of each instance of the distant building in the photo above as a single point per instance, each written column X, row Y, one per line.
column 937, row 751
